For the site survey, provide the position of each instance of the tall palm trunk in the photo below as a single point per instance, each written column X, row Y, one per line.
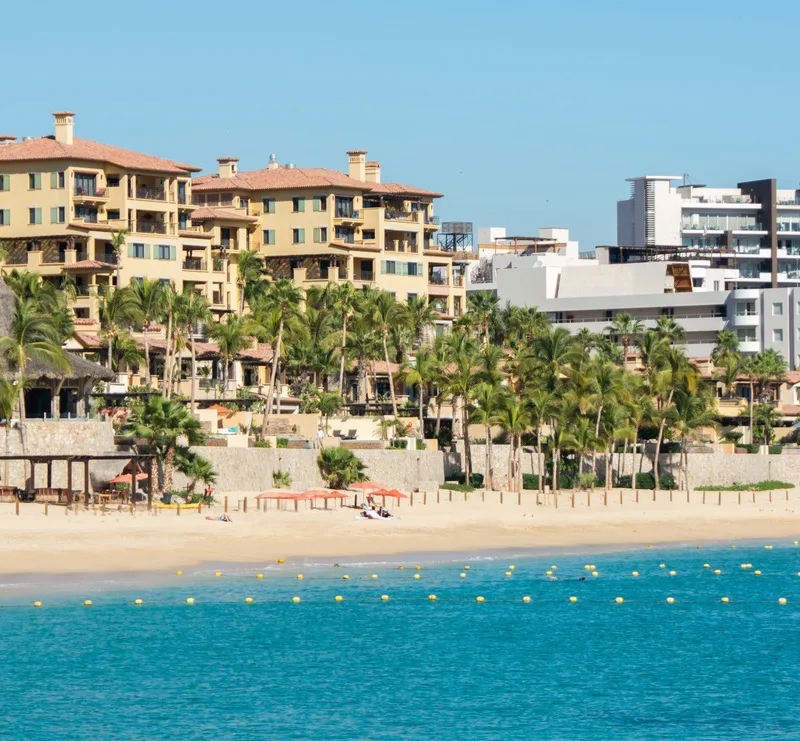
column 752, row 410
column 554, row 486
column 489, row 467
column 467, row 446
column 438, row 415
column 389, row 373
column 540, row 458
column 342, row 352
column 193, row 393
column 421, row 410
column 661, row 426
column 169, row 467
column 146, row 356
column 596, row 434
column 110, row 335
column 167, row 380
column 275, row 360
column 361, row 383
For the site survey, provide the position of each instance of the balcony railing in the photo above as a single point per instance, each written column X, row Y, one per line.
column 151, row 194
column 458, row 280
column 17, row 259
column 226, row 243
column 218, row 265
column 347, row 213
column 437, row 280
column 82, row 192
column 203, row 199
column 183, row 199
column 431, row 219
column 365, row 276
column 108, row 257
column 194, row 263
column 401, row 215
column 152, row 227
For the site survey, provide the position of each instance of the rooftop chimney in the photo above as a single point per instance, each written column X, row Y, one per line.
column 64, row 126
column 357, row 167
column 227, row 166
column 373, row 172
column 273, row 162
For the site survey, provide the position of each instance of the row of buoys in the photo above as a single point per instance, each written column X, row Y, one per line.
column 431, row 598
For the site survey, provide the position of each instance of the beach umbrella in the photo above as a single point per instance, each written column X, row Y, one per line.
column 278, row 494
column 392, row 493
column 325, row 494
column 367, row 486
column 127, row 478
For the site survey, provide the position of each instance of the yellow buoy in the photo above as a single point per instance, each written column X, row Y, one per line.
column 662, row 566
column 699, row 548
column 619, row 600
column 767, row 547
column 87, row 603
column 706, row 565
column 573, row 599
column 588, row 567
column 743, row 566
column 345, row 577
column 670, row 600
column 649, row 546
column 717, row 572
column 37, row 604
column 137, row 602
column 554, row 567
column 338, row 598
column 300, row 577
column 178, row 573
column 595, row 573
column 508, row 573
column 280, row 560
column 385, row 597
column 548, row 573
column 781, row 600
column 416, row 576
column 634, row 573
column 724, row 600
column 733, row 546
column 673, row 573
column 248, row 600
column 432, row 597
column 466, row 568
column 190, row 600
column 526, row 599
column 757, row 572
column 217, row 573
column 374, row 576
column 259, row 576
column 400, row 568
column 463, row 575
column 296, row 600
column 796, row 542
column 418, row 568
column 511, row 567
column 479, row 599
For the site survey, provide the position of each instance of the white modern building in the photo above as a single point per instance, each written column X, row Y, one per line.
column 752, row 230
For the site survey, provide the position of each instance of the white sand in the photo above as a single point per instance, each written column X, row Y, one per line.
column 114, row 541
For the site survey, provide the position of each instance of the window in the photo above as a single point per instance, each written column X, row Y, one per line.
column 34, row 181
column 5, row 217
column 5, row 182
column 321, row 234
column 746, row 308
column 57, row 215
column 85, row 184
column 411, row 297
column 298, row 204
column 87, row 213
column 746, row 334
column 697, row 282
column 389, row 267
column 298, row 236
column 777, row 308
column 183, row 220
column 344, row 207
column 244, row 202
column 716, row 285
column 139, row 250
column 320, row 203
column 57, row 180
column 345, row 234
column 34, row 216
column 777, row 335
column 112, row 181
column 269, row 205
column 269, row 236
column 165, row 252
column 113, row 214
column 368, row 234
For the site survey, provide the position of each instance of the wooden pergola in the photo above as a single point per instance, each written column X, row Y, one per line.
column 139, row 463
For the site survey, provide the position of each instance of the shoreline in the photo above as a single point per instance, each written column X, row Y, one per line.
column 116, row 542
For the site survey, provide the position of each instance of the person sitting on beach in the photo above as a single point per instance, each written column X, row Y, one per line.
column 219, row 518
column 383, row 512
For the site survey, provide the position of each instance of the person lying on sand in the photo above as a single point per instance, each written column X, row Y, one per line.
column 219, row 518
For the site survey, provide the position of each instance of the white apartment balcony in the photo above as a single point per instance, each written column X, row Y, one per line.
column 746, row 320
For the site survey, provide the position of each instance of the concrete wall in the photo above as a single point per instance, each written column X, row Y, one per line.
column 61, row 438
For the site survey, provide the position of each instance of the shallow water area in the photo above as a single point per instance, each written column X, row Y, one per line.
column 410, row 667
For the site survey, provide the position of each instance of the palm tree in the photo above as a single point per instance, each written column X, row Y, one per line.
column 419, row 316
column 341, row 467
column 345, row 302
column 514, row 419
column 249, row 274
column 625, row 329
column 118, row 310
column 328, row 403
column 9, row 395
column 420, row 374
column 728, row 371
column 31, row 337
column 124, row 349
column 150, row 300
column 586, row 440
column 556, row 351
column 118, row 247
column 726, row 347
column 462, row 380
column 163, row 423
column 652, row 349
column 384, row 312
column 231, row 337
column 542, row 405
column 605, row 386
column 560, row 439
column 284, row 298
column 195, row 468
column 488, row 402
column 192, row 309
column 691, row 413
column 668, row 329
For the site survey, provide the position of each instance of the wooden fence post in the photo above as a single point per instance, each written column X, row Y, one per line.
column 740, row 497
column 178, row 509
column 245, row 505
column 226, row 505
column 573, row 499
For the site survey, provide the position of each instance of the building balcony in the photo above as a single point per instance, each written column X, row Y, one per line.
column 218, row 265
column 149, row 194
column 194, row 263
column 390, row 215
column 344, row 216
column 458, row 281
column 90, row 195
column 431, row 222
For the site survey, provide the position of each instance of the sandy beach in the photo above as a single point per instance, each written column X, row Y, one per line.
column 93, row 541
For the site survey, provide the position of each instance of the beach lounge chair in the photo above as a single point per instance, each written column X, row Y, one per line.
column 351, row 435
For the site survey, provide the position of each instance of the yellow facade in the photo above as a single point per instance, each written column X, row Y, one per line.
column 320, row 226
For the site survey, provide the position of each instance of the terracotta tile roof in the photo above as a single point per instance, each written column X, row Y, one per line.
column 792, row 377
column 261, row 353
column 203, row 214
column 790, row 410
column 89, row 265
column 85, row 322
column 285, row 178
column 47, row 148
column 89, row 340
column 378, row 367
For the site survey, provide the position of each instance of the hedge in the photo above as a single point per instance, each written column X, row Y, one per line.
column 646, row 480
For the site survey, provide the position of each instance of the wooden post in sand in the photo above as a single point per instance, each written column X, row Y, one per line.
column 770, row 496
column 620, row 496
column 199, row 507
column 670, row 496
column 637, row 496
column 687, row 497
column 483, row 495
column 178, row 509
column 704, row 497
column 787, row 495
column 605, row 498
column 589, row 498
column 245, row 504
column 754, row 496
column 258, row 505
column 16, row 507
column 501, row 496
column 45, row 509
column 131, row 506
column 519, row 498
column 411, row 499
column 438, row 496
column 719, row 498
column 740, row 497
column 226, row 505
column 573, row 499
column 425, row 496
column 450, row 495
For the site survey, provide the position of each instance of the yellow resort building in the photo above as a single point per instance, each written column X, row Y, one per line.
column 317, row 226
column 62, row 198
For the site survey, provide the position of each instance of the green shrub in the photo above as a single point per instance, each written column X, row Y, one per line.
column 399, row 444
column 475, row 479
column 262, row 444
column 769, row 485
column 421, row 445
column 282, row 442
column 531, row 481
column 646, row 480
column 751, row 448
column 588, row 480
column 732, row 436
column 450, row 486
column 445, row 437
column 281, row 479
column 340, row 467
column 775, row 449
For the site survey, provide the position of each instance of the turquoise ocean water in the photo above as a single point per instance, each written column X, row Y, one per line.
column 410, row 668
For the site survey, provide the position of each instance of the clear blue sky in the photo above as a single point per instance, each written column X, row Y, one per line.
column 525, row 114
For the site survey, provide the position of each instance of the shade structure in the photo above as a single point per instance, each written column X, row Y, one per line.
column 394, row 493
column 219, row 409
column 367, row 486
column 324, row 494
column 279, row 494
column 127, row 478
